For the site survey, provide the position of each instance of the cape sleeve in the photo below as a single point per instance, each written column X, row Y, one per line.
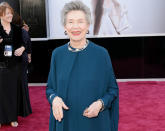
column 111, row 97
column 112, row 89
column 51, row 83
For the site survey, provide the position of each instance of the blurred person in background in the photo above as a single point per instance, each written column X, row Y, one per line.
column 110, row 17
column 11, row 50
column 24, row 100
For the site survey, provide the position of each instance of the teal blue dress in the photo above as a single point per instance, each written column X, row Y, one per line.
column 80, row 78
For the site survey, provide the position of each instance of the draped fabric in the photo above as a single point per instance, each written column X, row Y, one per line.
column 80, row 78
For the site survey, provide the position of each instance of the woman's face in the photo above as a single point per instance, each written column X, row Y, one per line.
column 76, row 25
column 7, row 16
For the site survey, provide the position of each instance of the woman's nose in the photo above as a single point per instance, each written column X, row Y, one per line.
column 75, row 25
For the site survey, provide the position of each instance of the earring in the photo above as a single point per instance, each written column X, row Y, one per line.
column 65, row 32
column 88, row 32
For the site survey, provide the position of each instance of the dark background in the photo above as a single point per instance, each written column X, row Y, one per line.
column 132, row 57
column 33, row 12
column 14, row 4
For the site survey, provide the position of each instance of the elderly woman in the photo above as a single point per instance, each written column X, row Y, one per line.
column 11, row 49
column 81, row 88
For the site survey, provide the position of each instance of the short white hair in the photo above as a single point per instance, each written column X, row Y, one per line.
column 75, row 6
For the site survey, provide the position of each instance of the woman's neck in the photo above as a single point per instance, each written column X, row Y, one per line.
column 78, row 44
column 5, row 24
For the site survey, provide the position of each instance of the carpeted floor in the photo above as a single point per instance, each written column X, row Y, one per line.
column 39, row 119
column 142, row 108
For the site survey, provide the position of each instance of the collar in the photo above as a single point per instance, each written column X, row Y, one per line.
column 70, row 48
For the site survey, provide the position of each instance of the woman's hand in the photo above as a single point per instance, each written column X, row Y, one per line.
column 29, row 58
column 93, row 110
column 57, row 106
column 1, row 40
column 25, row 27
column 19, row 51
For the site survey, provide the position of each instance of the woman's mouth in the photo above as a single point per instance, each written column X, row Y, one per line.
column 76, row 33
column 10, row 18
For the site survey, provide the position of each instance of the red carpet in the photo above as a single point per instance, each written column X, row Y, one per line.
column 39, row 119
column 142, row 108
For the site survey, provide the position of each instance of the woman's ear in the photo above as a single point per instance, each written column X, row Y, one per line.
column 65, row 30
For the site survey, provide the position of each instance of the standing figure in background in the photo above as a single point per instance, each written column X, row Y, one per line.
column 110, row 17
column 24, row 100
column 81, row 89
column 11, row 50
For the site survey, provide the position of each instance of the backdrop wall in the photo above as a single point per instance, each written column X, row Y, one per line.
column 132, row 57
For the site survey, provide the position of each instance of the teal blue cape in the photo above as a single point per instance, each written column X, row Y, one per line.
column 80, row 78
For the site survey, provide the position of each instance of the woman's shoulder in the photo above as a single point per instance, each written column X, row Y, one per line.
column 97, row 48
column 59, row 49
column 25, row 34
column 16, row 27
